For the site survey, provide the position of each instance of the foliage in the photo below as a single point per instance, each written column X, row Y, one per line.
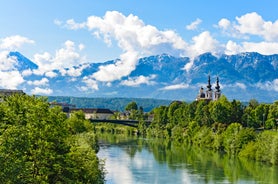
column 110, row 103
column 131, row 106
column 221, row 125
column 39, row 145
column 236, row 137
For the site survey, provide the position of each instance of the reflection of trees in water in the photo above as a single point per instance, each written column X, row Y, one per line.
column 212, row 166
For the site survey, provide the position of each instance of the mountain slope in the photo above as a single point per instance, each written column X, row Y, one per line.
column 242, row 76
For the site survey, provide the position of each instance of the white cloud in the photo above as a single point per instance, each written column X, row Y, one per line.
column 194, row 25
column 232, row 48
column 254, row 24
column 176, row 87
column 27, row 72
column 224, row 24
column 42, row 82
column 7, row 62
column 14, row 42
column 202, row 43
column 137, row 81
column 116, row 71
column 74, row 71
column 58, row 22
column 81, row 46
column 266, row 48
column 41, row 91
column 51, row 74
column 71, row 24
column 11, row 79
column 65, row 57
column 134, row 38
column 268, row 85
column 91, row 84
column 250, row 24
column 240, row 85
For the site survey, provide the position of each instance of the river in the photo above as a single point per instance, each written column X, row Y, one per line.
column 131, row 160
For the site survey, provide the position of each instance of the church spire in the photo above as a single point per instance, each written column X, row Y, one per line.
column 217, row 93
column 209, row 85
column 209, row 90
column 217, row 87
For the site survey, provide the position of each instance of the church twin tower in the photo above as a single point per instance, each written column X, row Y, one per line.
column 209, row 94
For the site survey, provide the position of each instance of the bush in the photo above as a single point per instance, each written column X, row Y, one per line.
column 236, row 137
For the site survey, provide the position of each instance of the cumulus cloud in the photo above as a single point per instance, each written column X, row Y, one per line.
column 194, row 25
column 176, row 87
column 65, row 57
column 224, row 24
column 41, row 91
column 266, row 48
column 10, row 79
column 91, row 84
column 116, row 71
column 27, row 72
column 137, row 81
column 254, row 24
column 201, row 43
column 134, row 37
column 14, row 42
column 245, row 26
column 42, row 82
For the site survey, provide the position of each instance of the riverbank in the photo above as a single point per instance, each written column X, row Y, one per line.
column 131, row 159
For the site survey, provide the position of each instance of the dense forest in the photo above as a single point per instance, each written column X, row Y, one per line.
column 239, row 130
column 245, row 130
column 116, row 104
column 39, row 144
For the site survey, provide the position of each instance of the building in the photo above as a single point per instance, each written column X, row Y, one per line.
column 65, row 106
column 209, row 94
column 94, row 113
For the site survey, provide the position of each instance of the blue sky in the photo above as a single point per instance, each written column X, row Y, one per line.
column 35, row 20
column 65, row 33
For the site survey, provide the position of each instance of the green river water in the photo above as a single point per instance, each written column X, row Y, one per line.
column 141, row 161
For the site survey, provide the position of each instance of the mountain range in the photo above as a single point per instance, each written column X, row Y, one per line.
column 242, row 76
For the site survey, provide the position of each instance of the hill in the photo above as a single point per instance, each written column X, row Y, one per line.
column 116, row 104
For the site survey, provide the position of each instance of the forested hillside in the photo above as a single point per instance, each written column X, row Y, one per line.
column 118, row 104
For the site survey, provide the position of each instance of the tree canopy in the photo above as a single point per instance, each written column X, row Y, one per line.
column 38, row 144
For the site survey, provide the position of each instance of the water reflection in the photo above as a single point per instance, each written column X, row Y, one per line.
column 132, row 160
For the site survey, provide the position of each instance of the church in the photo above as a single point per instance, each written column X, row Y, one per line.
column 209, row 94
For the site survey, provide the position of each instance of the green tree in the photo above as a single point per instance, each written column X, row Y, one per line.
column 261, row 112
column 236, row 137
column 131, row 106
column 35, row 146
column 202, row 114
column 272, row 117
column 171, row 110
column 236, row 111
column 220, row 110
